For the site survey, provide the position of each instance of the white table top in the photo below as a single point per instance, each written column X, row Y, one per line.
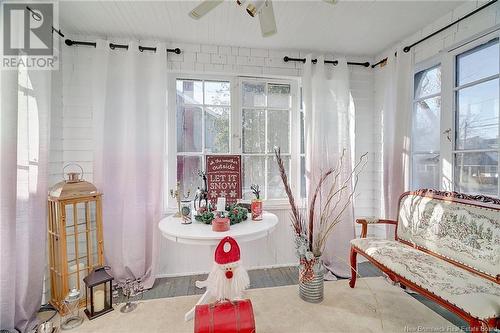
column 198, row 233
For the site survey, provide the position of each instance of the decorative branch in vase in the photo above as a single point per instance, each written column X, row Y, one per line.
column 256, row 206
column 332, row 195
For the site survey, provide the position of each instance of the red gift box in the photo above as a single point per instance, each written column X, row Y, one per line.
column 225, row 317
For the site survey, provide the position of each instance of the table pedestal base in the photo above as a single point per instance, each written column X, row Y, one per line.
column 203, row 299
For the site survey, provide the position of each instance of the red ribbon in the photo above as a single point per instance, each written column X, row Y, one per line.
column 306, row 274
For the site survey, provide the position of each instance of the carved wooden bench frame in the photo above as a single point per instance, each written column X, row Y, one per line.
column 475, row 324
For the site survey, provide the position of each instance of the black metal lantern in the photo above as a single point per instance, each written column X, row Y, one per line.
column 98, row 291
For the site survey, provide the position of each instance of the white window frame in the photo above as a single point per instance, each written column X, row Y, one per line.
column 447, row 59
column 448, row 109
column 422, row 66
column 294, row 129
column 235, row 137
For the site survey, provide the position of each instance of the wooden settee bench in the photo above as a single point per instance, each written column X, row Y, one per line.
column 447, row 248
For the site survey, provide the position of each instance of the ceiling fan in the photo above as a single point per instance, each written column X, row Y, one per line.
column 261, row 8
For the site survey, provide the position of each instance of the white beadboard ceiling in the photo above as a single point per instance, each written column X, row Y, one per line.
column 348, row 27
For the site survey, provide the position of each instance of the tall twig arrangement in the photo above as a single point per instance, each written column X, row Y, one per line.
column 335, row 194
column 298, row 220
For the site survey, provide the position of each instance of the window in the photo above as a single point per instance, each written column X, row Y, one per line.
column 425, row 131
column 214, row 118
column 476, row 145
column 266, row 117
column 203, row 127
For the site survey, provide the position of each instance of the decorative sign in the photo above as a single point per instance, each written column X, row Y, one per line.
column 224, row 177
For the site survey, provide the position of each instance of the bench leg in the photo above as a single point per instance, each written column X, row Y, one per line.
column 353, row 255
column 477, row 326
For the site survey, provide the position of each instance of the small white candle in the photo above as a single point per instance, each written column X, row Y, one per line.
column 221, row 204
column 98, row 300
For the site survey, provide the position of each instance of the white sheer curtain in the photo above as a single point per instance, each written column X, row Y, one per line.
column 396, row 117
column 129, row 112
column 24, row 146
column 329, row 130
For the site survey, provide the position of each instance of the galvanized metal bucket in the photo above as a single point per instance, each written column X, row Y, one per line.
column 313, row 291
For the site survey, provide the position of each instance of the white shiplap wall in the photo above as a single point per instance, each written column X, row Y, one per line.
column 74, row 136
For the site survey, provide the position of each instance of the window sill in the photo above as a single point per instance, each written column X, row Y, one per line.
column 276, row 205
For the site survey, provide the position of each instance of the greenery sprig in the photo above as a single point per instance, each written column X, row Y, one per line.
column 237, row 214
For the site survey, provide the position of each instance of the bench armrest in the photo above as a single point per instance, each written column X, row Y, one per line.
column 372, row 220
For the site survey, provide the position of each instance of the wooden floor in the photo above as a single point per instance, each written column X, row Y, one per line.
column 273, row 277
column 259, row 278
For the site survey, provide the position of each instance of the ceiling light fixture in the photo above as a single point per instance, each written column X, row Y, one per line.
column 254, row 7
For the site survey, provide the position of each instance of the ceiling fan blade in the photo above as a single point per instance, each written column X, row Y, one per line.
column 267, row 19
column 204, row 8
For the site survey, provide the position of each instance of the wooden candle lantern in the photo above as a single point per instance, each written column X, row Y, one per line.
column 75, row 235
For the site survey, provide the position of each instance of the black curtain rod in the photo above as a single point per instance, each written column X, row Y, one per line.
column 113, row 46
column 409, row 47
column 334, row 62
column 37, row 17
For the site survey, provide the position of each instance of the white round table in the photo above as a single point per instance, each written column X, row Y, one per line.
column 198, row 233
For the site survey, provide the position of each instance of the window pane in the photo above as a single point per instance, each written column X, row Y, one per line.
column 187, row 172
column 189, row 128
column 425, row 125
column 217, row 93
column 189, row 92
column 253, row 173
column 425, row 171
column 254, row 131
column 303, row 189
column 275, row 189
column 477, row 173
column 302, row 133
column 254, row 94
column 279, row 96
column 216, row 130
column 477, row 116
column 278, row 130
column 427, row 82
column 478, row 63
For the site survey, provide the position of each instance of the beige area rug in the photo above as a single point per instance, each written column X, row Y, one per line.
column 373, row 306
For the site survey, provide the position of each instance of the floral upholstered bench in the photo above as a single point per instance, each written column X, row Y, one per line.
column 447, row 248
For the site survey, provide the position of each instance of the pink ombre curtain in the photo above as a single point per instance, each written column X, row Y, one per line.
column 396, row 117
column 24, row 148
column 129, row 112
column 329, row 129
